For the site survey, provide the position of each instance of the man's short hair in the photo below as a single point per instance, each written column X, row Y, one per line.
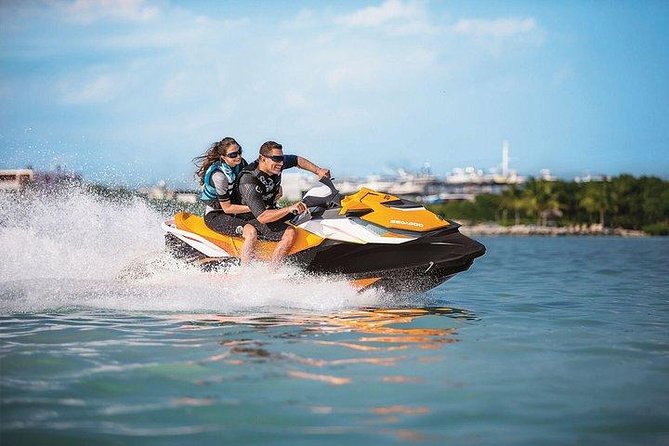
column 267, row 147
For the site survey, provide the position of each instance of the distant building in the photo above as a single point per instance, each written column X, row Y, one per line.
column 547, row 176
column 587, row 178
column 157, row 192
column 501, row 175
column 15, row 179
column 161, row 192
column 19, row 179
column 183, row 196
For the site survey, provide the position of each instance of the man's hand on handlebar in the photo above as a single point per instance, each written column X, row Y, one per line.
column 298, row 208
column 323, row 172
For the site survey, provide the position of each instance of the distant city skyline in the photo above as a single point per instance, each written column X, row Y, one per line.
column 131, row 93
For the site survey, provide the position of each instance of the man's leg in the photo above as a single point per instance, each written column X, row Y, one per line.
column 250, row 235
column 283, row 247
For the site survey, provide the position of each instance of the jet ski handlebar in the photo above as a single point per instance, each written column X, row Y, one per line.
column 317, row 199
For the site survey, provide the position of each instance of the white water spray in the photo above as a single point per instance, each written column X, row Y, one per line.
column 74, row 249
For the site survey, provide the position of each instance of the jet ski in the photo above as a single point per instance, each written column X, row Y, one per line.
column 371, row 238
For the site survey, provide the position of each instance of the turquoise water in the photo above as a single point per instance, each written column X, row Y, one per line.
column 550, row 341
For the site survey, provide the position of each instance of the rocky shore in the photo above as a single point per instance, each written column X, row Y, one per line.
column 527, row 230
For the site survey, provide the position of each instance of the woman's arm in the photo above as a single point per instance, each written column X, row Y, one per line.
column 233, row 209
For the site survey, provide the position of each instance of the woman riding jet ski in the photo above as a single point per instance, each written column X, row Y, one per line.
column 373, row 239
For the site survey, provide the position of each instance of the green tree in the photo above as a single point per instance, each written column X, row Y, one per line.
column 655, row 200
column 626, row 201
column 597, row 198
column 569, row 194
column 539, row 198
column 512, row 199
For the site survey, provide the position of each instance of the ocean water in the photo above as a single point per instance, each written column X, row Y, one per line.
column 105, row 340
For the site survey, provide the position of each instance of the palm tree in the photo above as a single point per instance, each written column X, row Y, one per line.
column 512, row 198
column 539, row 198
column 597, row 198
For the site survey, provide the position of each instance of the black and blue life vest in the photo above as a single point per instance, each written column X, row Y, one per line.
column 231, row 173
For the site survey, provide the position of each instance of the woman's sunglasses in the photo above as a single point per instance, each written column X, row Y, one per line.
column 234, row 154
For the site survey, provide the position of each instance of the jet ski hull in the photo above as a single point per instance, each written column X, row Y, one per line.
column 417, row 265
column 414, row 266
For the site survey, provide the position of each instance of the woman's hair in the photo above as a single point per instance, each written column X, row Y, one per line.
column 213, row 154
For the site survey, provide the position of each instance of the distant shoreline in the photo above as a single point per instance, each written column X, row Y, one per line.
column 530, row 230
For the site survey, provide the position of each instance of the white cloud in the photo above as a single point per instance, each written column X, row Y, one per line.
column 496, row 28
column 190, row 32
column 89, row 11
column 307, row 18
column 378, row 15
column 398, row 17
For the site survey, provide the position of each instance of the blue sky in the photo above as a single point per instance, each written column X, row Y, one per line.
column 131, row 90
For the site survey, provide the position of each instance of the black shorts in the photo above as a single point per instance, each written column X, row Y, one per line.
column 224, row 223
column 228, row 224
column 272, row 231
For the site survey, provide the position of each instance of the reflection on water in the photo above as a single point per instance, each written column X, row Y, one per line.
column 360, row 319
column 370, row 330
column 387, row 338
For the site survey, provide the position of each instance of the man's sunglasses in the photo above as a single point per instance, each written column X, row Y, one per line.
column 234, row 154
column 275, row 158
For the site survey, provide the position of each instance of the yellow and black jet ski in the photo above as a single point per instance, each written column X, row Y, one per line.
column 372, row 238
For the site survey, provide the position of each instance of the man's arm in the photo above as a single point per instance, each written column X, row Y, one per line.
column 305, row 164
column 271, row 215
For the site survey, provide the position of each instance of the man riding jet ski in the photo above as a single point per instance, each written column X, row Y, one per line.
column 373, row 239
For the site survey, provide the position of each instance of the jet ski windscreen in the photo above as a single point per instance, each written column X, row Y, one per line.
column 326, row 195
